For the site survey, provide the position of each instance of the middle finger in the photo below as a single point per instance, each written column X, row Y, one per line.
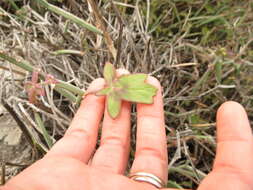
column 112, row 154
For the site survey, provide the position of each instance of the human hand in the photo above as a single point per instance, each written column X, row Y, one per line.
column 71, row 165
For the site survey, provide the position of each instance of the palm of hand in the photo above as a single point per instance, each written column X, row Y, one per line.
column 66, row 173
column 68, row 166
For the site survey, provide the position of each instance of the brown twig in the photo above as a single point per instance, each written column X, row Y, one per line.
column 3, row 173
column 13, row 70
column 17, row 164
column 101, row 26
column 119, row 41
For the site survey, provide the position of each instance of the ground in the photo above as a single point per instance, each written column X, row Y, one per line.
column 201, row 52
column 14, row 148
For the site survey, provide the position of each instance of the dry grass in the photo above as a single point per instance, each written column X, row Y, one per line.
column 201, row 51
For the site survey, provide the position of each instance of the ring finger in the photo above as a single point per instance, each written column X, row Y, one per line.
column 151, row 150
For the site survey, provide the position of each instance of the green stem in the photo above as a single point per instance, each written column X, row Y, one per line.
column 78, row 100
column 41, row 125
column 173, row 184
column 69, row 87
column 13, row 4
column 66, row 94
column 28, row 67
column 69, row 16
column 22, row 64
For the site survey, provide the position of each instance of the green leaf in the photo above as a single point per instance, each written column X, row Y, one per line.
column 139, row 93
column 104, row 91
column 133, row 78
column 218, row 70
column 134, row 89
column 130, row 87
column 196, row 119
column 109, row 73
column 113, row 105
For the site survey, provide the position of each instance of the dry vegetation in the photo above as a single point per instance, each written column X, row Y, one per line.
column 201, row 51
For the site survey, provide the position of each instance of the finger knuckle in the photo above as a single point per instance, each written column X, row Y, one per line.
column 114, row 141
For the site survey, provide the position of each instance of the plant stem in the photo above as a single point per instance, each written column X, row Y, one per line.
column 100, row 22
column 69, row 16
column 13, row 4
column 46, row 136
column 69, row 87
column 13, row 70
column 28, row 67
column 66, row 94
column 22, row 64
column 3, row 172
column 173, row 184
column 68, row 51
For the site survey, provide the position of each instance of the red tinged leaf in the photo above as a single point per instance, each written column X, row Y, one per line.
column 35, row 77
column 51, row 80
column 34, row 88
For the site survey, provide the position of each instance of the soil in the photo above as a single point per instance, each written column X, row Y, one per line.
column 14, row 148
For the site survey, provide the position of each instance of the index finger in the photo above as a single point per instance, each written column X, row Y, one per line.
column 80, row 139
column 151, row 146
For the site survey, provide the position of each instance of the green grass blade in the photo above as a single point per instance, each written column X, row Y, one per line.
column 28, row 67
column 46, row 136
column 69, row 16
column 173, row 184
column 218, row 70
column 199, row 83
column 66, row 94
column 13, row 4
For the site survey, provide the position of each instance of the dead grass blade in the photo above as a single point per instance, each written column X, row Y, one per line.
column 101, row 25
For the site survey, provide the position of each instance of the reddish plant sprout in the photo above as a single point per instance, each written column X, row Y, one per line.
column 51, row 80
column 34, row 88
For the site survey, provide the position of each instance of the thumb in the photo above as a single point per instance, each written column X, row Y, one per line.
column 233, row 166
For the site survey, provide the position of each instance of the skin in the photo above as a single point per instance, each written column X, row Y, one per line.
column 74, row 164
